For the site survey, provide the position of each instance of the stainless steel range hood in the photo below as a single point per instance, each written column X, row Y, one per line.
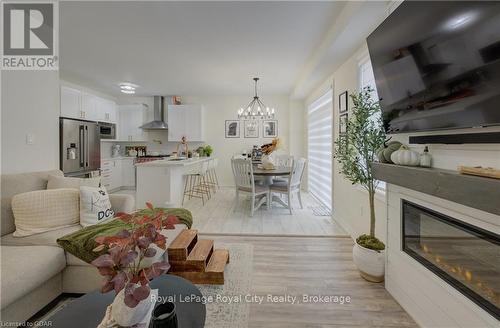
column 159, row 111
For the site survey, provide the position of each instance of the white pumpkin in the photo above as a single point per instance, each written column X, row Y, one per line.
column 405, row 156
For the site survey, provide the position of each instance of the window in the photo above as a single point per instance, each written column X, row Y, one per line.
column 367, row 79
column 319, row 143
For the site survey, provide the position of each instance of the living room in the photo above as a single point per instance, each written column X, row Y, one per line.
column 288, row 164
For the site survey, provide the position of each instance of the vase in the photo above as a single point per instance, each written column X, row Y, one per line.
column 126, row 316
column 267, row 162
column 164, row 316
column 370, row 263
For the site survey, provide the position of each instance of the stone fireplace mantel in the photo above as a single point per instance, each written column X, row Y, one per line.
column 473, row 191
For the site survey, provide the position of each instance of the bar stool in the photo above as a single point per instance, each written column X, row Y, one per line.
column 213, row 181
column 196, row 184
column 214, row 172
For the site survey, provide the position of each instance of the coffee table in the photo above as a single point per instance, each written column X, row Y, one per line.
column 88, row 310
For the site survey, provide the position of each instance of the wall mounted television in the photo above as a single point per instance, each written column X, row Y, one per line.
column 437, row 65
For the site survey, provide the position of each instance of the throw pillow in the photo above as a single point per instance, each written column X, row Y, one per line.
column 56, row 182
column 45, row 210
column 95, row 206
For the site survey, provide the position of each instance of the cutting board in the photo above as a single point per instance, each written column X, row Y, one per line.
column 488, row 172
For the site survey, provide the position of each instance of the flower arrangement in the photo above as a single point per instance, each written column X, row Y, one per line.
column 122, row 263
column 269, row 148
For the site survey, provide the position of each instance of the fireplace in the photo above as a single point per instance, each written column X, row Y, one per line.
column 465, row 256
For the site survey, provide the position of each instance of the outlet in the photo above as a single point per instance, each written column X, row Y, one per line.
column 30, row 139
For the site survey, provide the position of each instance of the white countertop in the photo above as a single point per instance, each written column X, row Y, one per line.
column 117, row 158
column 172, row 162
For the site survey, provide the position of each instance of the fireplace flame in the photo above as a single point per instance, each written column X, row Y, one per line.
column 463, row 274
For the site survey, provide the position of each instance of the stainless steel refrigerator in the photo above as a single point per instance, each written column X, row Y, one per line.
column 80, row 152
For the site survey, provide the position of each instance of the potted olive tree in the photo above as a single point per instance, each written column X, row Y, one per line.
column 355, row 151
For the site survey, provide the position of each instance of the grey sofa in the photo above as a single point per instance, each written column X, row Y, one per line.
column 34, row 269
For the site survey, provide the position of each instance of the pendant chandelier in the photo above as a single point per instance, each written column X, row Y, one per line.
column 256, row 109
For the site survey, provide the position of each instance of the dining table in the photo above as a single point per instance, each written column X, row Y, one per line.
column 269, row 175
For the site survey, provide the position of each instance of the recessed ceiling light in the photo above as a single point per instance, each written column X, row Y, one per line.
column 461, row 20
column 128, row 88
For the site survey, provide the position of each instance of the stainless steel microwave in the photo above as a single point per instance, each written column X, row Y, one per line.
column 107, row 130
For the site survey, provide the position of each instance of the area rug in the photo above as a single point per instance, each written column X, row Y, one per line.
column 223, row 311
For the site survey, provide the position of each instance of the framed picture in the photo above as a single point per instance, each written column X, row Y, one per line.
column 343, row 123
column 270, row 129
column 232, row 129
column 251, row 129
column 343, row 102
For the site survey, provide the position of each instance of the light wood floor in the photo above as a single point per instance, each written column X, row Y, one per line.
column 219, row 215
column 315, row 266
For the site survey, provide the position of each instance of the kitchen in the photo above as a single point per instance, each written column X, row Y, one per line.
column 101, row 136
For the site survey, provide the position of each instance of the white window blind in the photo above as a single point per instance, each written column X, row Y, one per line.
column 367, row 79
column 319, row 141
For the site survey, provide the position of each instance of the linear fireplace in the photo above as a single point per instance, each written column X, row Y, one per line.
column 465, row 256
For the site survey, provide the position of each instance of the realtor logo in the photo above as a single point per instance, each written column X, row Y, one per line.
column 29, row 36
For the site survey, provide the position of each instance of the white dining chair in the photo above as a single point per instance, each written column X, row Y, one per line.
column 282, row 161
column 244, row 182
column 292, row 186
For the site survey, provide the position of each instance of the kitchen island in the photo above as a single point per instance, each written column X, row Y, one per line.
column 162, row 182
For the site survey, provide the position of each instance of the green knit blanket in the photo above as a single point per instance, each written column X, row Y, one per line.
column 82, row 242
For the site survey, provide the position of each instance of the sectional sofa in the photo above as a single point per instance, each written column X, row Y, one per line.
column 34, row 269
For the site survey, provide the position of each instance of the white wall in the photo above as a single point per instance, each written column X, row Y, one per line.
column 221, row 108
column 297, row 128
column 30, row 105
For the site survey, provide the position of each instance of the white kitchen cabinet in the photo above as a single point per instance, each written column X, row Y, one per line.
column 130, row 118
column 83, row 105
column 70, row 102
column 106, row 110
column 89, row 110
column 176, row 122
column 128, row 172
column 116, row 174
column 111, row 174
column 185, row 120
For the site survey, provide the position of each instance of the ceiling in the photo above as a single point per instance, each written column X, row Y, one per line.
column 191, row 48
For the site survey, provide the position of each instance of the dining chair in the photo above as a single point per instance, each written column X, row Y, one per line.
column 244, row 182
column 282, row 161
column 292, row 186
